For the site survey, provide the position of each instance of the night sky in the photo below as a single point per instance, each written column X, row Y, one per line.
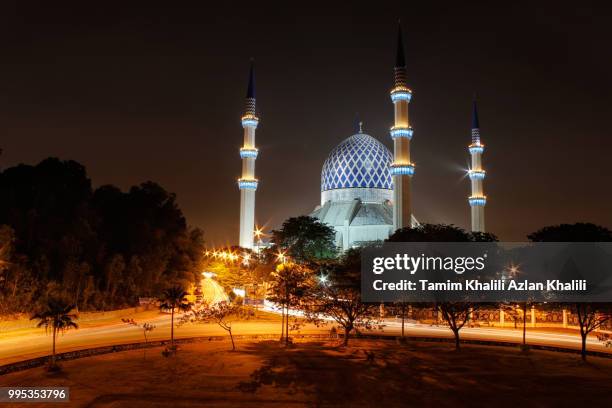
column 155, row 92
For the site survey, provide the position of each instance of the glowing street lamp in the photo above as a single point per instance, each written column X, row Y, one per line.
column 513, row 270
column 281, row 257
column 246, row 258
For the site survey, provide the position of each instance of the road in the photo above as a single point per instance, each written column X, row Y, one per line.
column 31, row 343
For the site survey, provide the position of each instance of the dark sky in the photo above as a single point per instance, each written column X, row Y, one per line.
column 155, row 92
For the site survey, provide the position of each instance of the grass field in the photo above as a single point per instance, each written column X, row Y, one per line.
column 367, row 373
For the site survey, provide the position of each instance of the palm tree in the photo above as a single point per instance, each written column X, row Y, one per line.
column 174, row 298
column 56, row 315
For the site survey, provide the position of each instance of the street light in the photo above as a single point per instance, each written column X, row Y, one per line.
column 246, row 258
column 281, row 257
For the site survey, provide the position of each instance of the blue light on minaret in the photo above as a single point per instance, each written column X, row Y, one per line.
column 247, row 183
column 402, row 169
column 477, row 200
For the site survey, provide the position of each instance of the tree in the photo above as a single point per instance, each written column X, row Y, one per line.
column 590, row 315
column 289, row 286
column 174, row 298
column 402, row 307
column 339, row 296
column 219, row 313
column 105, row 248
column 455, row 314
column 56, row 316
column 305, row 239
column 145, row 327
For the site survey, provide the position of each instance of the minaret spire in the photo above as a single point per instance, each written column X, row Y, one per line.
column 400, row 60
column 247, row 183
column 477, row 200
column 475, row 123
column 402, row 168
column 251, row 88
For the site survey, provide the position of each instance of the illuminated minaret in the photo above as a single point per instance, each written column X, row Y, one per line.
column 477, row 200
column 402, row 168
column 247, row 183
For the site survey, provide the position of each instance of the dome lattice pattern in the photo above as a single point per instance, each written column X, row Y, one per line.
column 358, row 162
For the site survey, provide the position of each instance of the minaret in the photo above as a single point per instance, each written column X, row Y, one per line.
column 402, row 168
column 477, row 200
column 248, row 152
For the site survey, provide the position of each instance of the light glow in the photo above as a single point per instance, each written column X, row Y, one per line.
column 401, row 96
column 239, row 292
column 476, row 148
column 402, row 169
column 477, row 200
column 398, row 131
column 249, row 121
column 249, row 184
column 476, row 174
column 281, row 257
column 248, row 152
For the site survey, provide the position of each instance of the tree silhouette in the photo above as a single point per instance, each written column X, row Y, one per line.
column 101, row 248
column 339, row 296
column 174, row 298
column 455, row 314
column 591, row 316
column 289, row 286
column 219, row 313
column 305, row 239
column 57, row 317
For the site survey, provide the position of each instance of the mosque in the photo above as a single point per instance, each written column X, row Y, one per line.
column 365, row 188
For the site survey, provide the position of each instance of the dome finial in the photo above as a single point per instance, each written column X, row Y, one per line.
column 357, row 124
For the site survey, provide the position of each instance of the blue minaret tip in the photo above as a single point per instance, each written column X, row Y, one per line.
column 251, row 88
column 400, row 60
column 475, row 123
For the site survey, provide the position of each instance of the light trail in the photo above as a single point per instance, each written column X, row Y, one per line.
column 25, row 344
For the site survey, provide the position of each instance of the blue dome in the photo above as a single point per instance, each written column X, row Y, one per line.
column 360, row 161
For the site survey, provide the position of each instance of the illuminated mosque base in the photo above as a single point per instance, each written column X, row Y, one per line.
column 357, row 192
column 356, row 222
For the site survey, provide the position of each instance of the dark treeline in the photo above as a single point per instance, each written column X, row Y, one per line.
column 99, row 248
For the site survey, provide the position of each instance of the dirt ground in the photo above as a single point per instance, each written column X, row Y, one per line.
column 366, row 374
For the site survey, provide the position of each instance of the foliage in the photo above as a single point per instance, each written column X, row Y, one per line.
column 339, row 296
column 579, row 232
column 145, row 327
column 56, row 316
column 439, row 233
column 174, row 299
column 305, row 239
column 455, row 314
column 100, row 248
column 220, row 313
column 233, row 272
column 590, row 315
column 290, row 285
